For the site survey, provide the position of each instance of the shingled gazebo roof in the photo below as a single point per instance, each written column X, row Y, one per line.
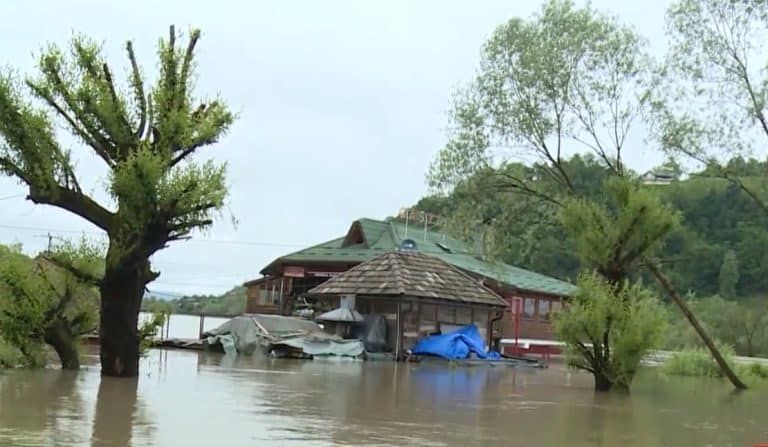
column 412, row 274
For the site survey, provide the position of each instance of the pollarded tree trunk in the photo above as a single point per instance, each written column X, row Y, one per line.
column 122, row 290
column 59, row 336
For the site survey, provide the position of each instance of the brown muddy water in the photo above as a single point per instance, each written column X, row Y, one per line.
column 186, row 398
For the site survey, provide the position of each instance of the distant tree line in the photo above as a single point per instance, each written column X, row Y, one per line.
column 231, row 302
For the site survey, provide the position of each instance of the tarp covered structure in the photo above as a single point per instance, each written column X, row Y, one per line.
column 245, row 333
column 249, row 331
column 454, row 345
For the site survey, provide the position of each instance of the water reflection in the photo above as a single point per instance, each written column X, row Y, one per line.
column 206, row 399
column 37, row 403
column 115, row 412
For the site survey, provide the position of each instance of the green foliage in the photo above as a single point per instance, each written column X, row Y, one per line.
column 697, row 362
column 231, row 302
column 729, row 275
column 10, row 356
column 146, row 136
column 159, row 307
column 569, row 77
column 753, row 370
column 36, row 294
column 148, row 330
column 740, row 324
column 613, row 236
column 525, row 231
column 608, row 329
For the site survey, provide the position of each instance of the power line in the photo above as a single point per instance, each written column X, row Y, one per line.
column 205, row 241
column 15, row 196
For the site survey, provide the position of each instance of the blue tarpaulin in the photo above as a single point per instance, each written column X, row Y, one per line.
column 456, row 344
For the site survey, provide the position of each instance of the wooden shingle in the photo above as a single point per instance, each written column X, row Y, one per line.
column 413, row 274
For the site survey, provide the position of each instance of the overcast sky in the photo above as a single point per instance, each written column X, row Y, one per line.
column 342, row 104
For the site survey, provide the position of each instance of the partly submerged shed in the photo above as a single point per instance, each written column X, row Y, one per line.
column 417, row 294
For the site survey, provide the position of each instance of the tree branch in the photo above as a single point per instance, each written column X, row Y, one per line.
column 188, row 56
column 11, row 168
column 82, row 133
column 666, row 284
column 81, row 275
column 77, row 203
column 186, row 152
column 138, row 86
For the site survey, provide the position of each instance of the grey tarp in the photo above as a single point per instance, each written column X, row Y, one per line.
column 324, row 344
column 247, row 332
column 250, row 331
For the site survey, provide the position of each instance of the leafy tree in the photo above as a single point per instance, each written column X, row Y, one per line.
column 145, row 136
column 613, row 238
column 729, row 275
column 43, row 303
column 616, row 236
column 608, row 329
column 714, row 101
column 569, row 77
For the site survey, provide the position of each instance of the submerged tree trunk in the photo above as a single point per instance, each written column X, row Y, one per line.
column 59, row 336
column 602, row 382
column 667, row 285
column 122, row 290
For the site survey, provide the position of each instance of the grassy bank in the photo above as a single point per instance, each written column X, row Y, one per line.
column 698, row 362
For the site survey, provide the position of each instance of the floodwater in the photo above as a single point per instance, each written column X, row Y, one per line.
column 186, row 326
column 186, row 398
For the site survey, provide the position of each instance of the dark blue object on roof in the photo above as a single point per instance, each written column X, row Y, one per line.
column 458, row 344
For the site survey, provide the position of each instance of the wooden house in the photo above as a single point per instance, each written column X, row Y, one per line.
column 417, row 295
column 287, row 279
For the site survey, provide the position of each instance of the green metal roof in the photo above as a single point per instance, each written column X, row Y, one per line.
column 384, row 236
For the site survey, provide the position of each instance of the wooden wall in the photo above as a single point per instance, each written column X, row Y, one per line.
column 536, row 318
column 419, row 318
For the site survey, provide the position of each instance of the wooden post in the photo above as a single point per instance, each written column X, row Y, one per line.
column 399, row 335
column 518, row 311
column 202, row 325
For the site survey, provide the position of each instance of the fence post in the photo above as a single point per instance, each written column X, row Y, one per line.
column 200, row 332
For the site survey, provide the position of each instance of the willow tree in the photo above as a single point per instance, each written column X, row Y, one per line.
column 608, row 329
column 569, row 80
column 146, row 136
column 714, row 101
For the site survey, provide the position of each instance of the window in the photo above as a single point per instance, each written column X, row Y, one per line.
column 544, row 309
column 529, row 307
column 556, row 307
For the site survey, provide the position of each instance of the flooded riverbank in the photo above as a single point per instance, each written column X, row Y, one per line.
column 205, row 399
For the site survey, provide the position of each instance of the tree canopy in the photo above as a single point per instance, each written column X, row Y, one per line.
column 145, row 134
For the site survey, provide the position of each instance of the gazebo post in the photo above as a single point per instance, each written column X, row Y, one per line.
column 399, row 335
